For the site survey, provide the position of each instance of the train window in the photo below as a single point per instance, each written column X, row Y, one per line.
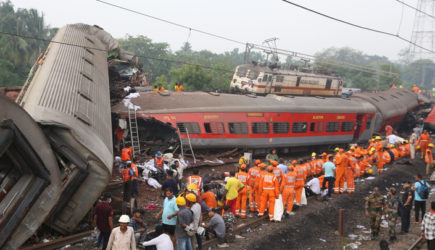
column 332, row 126
column 368, row 123
column 253, row 74
column 281, row 127
column 191, row 127
column 346, row 126
column 260, row 127
column 278, row 88
column 214, row 127
column 299, row 127
column 328, row 84
column 270, row 78
column 238, row 127
column 395, row 96
column 399, row 93
column 265, row 78
column 241, row 72
column 374, row 99
column 279, row 78
column 316, row 127
column 298, row 81
column 383, row 98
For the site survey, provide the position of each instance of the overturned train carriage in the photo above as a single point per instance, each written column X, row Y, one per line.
column 214, row 120
column 56, row 149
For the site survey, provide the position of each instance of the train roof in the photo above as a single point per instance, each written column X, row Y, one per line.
column 177, row 102
column 392, row 102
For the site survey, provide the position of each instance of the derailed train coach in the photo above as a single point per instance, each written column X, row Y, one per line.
column 56, row 143
column 213, row 120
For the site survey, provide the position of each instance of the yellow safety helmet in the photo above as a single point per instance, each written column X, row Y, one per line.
column 220, row 204
column 180, row 201
column 192, row 186
column 417, row 147
column 313, row 154
column 352, row 148
column 370, row 171
column 191, row 197
column 336, row 149
column 430, row 145
column 378, row 137
column 391, row 146
column 406, row 141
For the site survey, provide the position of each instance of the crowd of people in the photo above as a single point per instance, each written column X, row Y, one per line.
column 253, row 188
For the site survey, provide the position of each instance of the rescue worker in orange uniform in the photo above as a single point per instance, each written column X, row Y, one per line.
column 158, row 160
column 178, row 87
column 395, row 151
column 197, row 180
column 134, row 178
column 253, row 173
column 428, row 158
column 404, row 149
column 126, row 174
column 276, row 171
column 423, row 142
column 243, row 177
column 126, row 154
column 359, row 150
column 350, row 172
column 288, row 189
column 270, row 191
column 415, row 89
column 258, row 191
column 340, row 161
column 300, row 182
column 320, row 162
column 313, row 164
column 386, row 156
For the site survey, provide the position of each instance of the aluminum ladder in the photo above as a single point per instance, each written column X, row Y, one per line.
column 184, row 148
column 134, row 132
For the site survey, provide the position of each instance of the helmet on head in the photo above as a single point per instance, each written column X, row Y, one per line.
column 192, row 186
column 124, row 219
column 274, row 163
column 180, row 201
column 291, row 168
column 391, row 146
column 262, row 165
column 191, row 197
column 269, row 168
column 313, row 154
column 294, row 162
column 406, row 141
column 340, row 150
column 324, row 154
column 336, row 149
column 257, row 162
column 159, row 154
column 369, row 171
column 352, row 148
column 430, row 145
column 378, row 137
column 243, row 166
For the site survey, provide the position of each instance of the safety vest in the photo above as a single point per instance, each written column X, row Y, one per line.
column 402, row 150
column 269, row 181
column 125, row 154
column 179, row 88
column 300, row 176
column 428, row 156
column 135, row 171
column 195, row 179
column 386, row 157
column 159, row 161
column 396, row 153
column 319, row 166
column 243, row 177
column 424, row 139
column 289, row 180
column 278, row 173
column 125, row 174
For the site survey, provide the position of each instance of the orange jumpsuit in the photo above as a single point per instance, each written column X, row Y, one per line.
column 319, row 166
column 126, row 154
column 423, row 141
column 386, row 157
column 288, row 190
column 270, row 191
column 364, row 164
column 350, row 170
column 197, row 180
column 253, row 173
column 278, row 173
column 403, row 150
column 258, row 190
column 341, row 164
column 300, row 183
column 380, row 161
column 243, row 177
column 396, row 153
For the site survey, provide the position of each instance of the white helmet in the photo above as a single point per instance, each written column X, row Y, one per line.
column 124, row 219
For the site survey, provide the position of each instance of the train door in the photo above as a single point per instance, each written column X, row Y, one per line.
column 358, row 126
column 328, row 83
column 269, row 84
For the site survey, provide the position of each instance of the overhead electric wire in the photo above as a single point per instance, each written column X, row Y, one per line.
column 418, row 10
column 358, row 26
column 98, row 49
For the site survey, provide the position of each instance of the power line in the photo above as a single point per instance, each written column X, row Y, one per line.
column 412, row 7
column 98, row 49
column 359, row 26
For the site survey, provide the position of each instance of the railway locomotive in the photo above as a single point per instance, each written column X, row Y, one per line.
column 262, row 80
column 213, row 120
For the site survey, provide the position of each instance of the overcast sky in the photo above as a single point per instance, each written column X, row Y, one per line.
column 244, row 20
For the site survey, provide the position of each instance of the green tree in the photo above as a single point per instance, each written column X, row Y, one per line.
column 193, row 77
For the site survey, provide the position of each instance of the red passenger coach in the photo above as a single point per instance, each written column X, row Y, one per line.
column 227, row 120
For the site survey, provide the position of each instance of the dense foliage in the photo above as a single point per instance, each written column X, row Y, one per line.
column 196, row 70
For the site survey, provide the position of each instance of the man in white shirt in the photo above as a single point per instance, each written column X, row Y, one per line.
column 312, row 187
column 392, row 139
column 162, row 242
column 122, row 237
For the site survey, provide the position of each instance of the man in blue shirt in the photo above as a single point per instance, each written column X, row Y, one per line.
column 419, row 202
column 169, row 214
column 329, row 169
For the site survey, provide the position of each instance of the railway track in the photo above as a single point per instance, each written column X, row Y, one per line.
column 55, row 244
column 417, row 244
